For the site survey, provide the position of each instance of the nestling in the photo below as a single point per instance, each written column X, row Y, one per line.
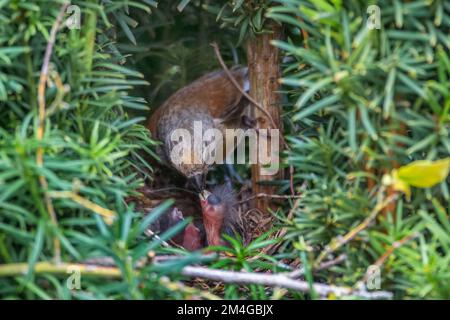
column 219, row 214
column 190, row 238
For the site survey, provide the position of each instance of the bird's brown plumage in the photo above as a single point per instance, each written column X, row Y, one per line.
column 213, row 100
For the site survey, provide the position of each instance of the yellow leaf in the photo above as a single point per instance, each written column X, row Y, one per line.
column 400, row 185
column 424, row 173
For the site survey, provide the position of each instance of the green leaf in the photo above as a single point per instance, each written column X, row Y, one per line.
column 183, row 5
column 37, row 248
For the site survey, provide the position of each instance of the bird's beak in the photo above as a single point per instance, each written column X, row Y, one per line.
column 197, row 181
column 204, row 195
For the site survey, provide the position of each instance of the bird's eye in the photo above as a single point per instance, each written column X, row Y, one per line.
column 213, row 199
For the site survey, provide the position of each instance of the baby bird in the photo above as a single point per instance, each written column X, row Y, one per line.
column 190, row 238
column 219, row 214
column 212, row 100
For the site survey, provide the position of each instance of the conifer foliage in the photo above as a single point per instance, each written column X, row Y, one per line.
column 366, row 115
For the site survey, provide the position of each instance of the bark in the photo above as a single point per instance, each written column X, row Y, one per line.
column 264, row 72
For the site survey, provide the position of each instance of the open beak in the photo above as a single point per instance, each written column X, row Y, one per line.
column 204, row 195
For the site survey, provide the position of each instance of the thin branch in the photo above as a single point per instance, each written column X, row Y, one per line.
column 380, row 261
column 257, row 105
column 236, row 84
column 277, row 280
column 66, row 269
column 265, row 279
column 323, row 266
column 395, row 245
column 151, row 191
column 13, row 269
column 273, row 196
column 181, row 287
column 280, row 234
column 41, row 126
column 108, row 215
column 340, row 241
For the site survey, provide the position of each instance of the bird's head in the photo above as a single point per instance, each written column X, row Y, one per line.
column 186, row 149
column 213, row 210
column 219, row 214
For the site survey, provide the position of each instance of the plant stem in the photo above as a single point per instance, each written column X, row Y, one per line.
column 14, row 269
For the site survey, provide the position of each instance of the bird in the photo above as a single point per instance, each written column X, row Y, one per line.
column 189, row 238
column 216, row 215
column 214, row 101
column 220, row 215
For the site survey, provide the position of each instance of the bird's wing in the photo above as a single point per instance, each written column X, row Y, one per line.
column 231, row 108
column 214, row 92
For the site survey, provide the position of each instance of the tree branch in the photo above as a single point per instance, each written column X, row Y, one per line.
column 277, row 280
column 41, row 125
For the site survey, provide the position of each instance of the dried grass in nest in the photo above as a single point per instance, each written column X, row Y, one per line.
column 251, row 221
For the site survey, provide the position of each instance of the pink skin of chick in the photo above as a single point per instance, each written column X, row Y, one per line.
column 191, row 239
column 213, row 217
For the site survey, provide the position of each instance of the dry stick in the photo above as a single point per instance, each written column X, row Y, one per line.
column 236, row 84
column 395, row 245
column 277, row 280
column 280, row 234
column 256, row 104
column 380, row 261
column 273, row 196
column 323, row 266
column 41, row 126
column 272, row 280
column 108, row 215
column 179, row 286
column 145, row 192
column 266, row 279
column 339, row 242
column 13, row 269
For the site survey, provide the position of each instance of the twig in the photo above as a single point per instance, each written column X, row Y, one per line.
column 280, row 234
column 340, row 241
column 151, row 191
column 273, row 196
column 179, row 286
column 150, row 233
column 323, row 266
column 41, row 125
column 13, row 269
column 395, row 245
column 257, row 105
column 108, row 215
column 236, row 84
column 380, row 261
column 277, row 280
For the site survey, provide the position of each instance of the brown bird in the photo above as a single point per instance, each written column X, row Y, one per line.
column 215, row 102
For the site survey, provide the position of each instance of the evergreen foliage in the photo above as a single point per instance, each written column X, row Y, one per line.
column 359, row 105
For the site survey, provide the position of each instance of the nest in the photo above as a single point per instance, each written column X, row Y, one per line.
column 250, row 221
